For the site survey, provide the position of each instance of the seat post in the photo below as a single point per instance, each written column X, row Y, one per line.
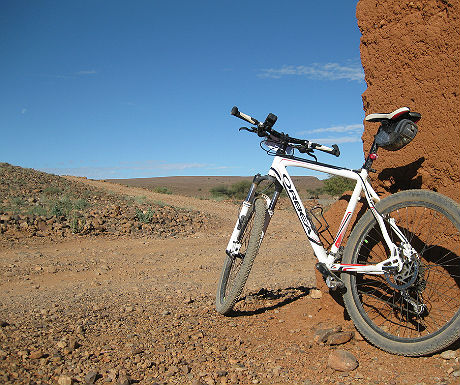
column 371, row 156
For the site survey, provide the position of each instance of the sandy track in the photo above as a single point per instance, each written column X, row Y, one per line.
column 144, row 308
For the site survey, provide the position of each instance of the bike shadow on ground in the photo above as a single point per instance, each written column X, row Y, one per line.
column 282, row 296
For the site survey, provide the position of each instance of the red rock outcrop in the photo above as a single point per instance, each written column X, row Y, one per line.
column 410, row 55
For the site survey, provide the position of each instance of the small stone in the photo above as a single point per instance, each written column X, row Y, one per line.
column 221, row 373
column 456, row 373
column 342, row 361
column 198, row 382
column 36, row 354
column 123, row 379
column 90, row 378
column 137, row 350
column 339, row 338
column 321, row 335
column 172, row 370
column 111, row 375
column 316, row 294
column 449, row 354
column 65, row 380
column 61, row 344
column 73, row 343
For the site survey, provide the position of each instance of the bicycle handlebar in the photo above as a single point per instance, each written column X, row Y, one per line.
column 265, row 129
column 240, row 115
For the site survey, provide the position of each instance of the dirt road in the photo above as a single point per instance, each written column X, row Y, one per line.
column 140, row 310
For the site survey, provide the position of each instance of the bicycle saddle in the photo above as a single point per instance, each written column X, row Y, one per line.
column 395, row 115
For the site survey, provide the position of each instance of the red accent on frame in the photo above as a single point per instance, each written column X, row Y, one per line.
column 342, row 232
column 373, row 156
column 399, row 114
column 352, row 264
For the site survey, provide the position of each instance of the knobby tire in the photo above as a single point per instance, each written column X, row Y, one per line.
column 382, row 312
column 236, row 269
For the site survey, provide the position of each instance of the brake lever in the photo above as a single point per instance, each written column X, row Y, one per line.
column 310, row 153
column 247, row 129
column 305, row 150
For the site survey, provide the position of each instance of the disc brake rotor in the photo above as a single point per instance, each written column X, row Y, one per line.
column 405, row 278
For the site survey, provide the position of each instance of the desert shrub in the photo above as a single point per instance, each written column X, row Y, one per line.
column 237, row 190
column 39, row 211
column 145, row 216
column 77, row 222
column 64, row 206
column 314, row 193
column 140, row 199
column 16, row 205
column 61, row 207
column 52, row 190
column 240, row 189
column 162, row 190
column 337, row 185
column 220, row 191
column 80, row 204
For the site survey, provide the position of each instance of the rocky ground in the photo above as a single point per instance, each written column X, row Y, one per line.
column 36, row 204
column 137, row 308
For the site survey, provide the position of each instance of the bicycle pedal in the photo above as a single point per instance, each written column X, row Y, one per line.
column 332, row 281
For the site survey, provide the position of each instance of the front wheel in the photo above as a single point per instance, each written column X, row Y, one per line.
column 416, row 311
column 237, row 268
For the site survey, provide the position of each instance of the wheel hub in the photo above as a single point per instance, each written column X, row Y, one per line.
column 406, row 277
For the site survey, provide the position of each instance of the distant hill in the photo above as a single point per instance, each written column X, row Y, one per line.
column 200, row 186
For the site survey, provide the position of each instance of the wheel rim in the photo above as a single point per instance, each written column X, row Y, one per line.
column 429, row 303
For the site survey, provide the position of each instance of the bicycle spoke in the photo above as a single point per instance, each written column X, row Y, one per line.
column 439, row 275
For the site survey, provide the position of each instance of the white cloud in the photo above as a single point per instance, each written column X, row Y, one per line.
column 317, row 71
column 86, row 72
column 337, row 140
column 147, row 168
column 23, row 111
column 353, row 134
column 73, row 75
column 353, row 128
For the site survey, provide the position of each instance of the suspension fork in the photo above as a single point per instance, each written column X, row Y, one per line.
column 255, row 183
column 234, row 244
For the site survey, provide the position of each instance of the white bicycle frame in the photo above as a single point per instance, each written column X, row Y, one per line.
column 279, row 172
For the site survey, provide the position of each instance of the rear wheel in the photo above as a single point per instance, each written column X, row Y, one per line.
column 237, row 268
column 416, row 311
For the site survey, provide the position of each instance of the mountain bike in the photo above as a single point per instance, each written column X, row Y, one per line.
column 399, row 272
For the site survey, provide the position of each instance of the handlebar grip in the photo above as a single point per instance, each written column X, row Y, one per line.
column 238, row 114
column 334, row 150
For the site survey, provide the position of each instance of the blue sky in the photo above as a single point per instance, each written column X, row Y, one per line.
column 124, row 89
